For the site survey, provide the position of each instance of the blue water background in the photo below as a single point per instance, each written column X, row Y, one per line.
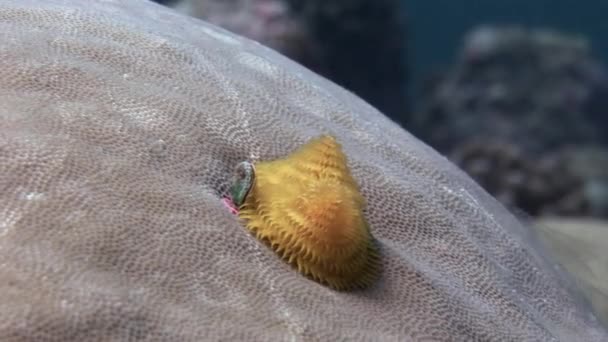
column 437, row 27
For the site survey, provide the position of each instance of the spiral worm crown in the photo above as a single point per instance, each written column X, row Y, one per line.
column 308, row 209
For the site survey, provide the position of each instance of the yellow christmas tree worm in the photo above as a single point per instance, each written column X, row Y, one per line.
column 307, row 207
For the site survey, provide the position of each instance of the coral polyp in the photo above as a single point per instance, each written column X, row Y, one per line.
column 307, row 207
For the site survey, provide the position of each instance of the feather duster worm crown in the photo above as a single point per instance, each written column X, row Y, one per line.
column 308, row 209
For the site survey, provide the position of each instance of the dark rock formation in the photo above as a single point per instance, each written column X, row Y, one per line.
column 510, row 112
column 536, row 88
column 540, row 186
column 358, row 44
column 363, row 48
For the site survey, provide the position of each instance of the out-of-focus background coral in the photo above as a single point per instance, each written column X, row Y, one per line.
column 514, row 92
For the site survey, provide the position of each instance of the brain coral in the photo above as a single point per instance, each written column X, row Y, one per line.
column 121, row 123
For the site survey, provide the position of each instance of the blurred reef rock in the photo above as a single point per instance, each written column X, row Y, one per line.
column 591, row 165
column 542, row 185
column 522, row 111
column 358, row 44
column 579, row 245
column 269, row 22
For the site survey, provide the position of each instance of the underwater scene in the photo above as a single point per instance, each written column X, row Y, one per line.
column 304, row 170
column 513, row 92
